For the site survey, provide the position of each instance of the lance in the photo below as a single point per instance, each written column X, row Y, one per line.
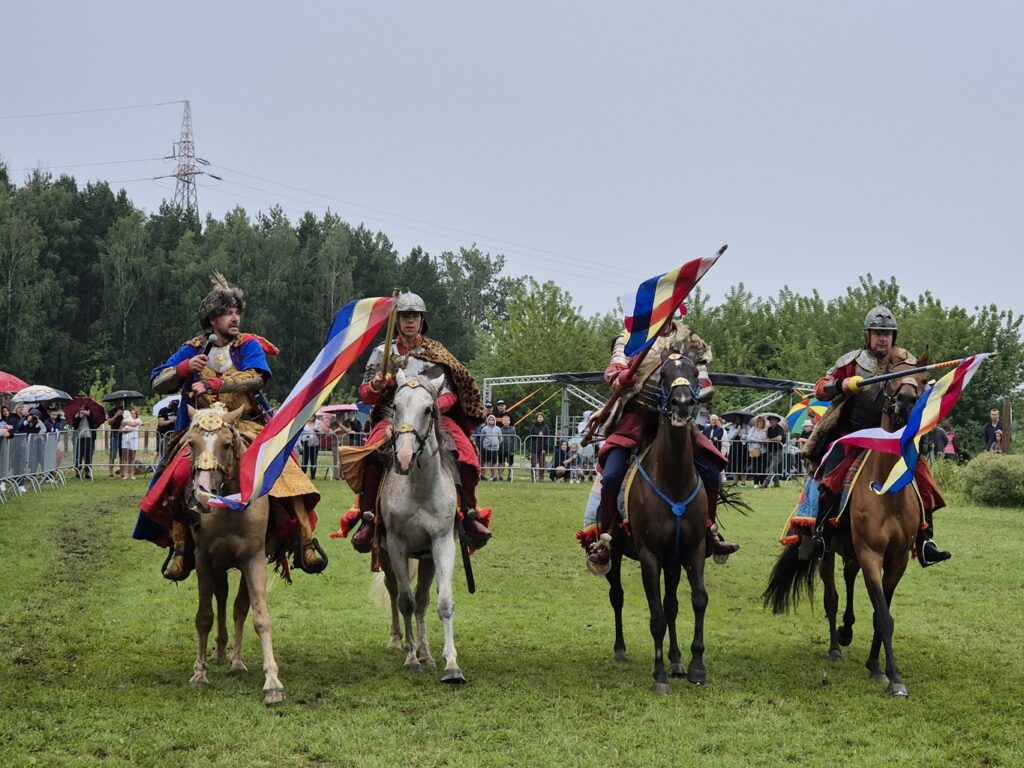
column 538, row 407
column 602, row 413
column 860, row 383
column 388, row 334
column 523, row 400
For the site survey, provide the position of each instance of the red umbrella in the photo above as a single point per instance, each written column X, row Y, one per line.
column 338, row 408
column 9, row 383
column 97, row 414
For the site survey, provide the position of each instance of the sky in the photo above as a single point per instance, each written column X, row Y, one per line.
column 594, row 144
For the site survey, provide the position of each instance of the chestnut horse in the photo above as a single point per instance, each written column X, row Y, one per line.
column 876, row 536
column 225, row 538
column 668, row 511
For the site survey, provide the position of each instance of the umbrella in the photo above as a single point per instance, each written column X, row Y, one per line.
column 338, row 408
column 10, row 383
column 38, row 393
column 732, row 415
column 799, row 413
column 123, row 394
column 164, row 402
column 97, row 414
column 769, row 414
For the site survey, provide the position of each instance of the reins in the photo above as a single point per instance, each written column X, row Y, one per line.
column 433, row 425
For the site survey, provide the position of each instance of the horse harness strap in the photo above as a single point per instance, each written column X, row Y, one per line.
column 678, row 508
column 406, row 428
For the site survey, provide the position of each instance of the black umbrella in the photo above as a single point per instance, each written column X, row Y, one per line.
column 733, row 415
column 123, row 394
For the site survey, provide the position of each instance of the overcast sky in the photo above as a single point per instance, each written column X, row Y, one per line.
column 592, row 143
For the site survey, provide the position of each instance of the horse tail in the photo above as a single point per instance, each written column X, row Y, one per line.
column 790, row 577
column 378, row 592
column 727, row 494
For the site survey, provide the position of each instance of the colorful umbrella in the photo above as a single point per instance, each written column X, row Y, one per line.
column 10, row 383
column 798, row 413
column 37, row 393
column 97, row 414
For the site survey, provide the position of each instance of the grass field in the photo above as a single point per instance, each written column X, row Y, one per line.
column 97, row 651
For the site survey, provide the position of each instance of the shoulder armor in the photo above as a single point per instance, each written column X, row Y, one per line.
column 846, row 359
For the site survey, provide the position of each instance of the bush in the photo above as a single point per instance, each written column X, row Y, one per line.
column 949, row 476
column 995, row 479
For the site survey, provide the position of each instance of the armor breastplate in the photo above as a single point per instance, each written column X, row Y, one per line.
column 865, row 407
column 410, row 363
column 220, row 359
column 219, row 363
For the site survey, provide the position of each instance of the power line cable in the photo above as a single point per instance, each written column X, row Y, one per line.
column 48, row 166
column 88, row 111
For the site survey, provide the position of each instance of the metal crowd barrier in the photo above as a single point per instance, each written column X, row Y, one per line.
column 30, row 462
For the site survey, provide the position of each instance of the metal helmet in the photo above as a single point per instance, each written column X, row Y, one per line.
column 880, row 318
column 412, row 302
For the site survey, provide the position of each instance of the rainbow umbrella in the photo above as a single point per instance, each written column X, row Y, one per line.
column 798, row 413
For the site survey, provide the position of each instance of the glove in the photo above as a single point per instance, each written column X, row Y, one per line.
column 851, row 384
column 625, row 380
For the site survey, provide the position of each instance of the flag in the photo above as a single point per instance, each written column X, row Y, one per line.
column 354, row 327
column 932, row 407
column 798, row 413
column 656, row 299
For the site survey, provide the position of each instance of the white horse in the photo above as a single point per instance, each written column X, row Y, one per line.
column 418, row 502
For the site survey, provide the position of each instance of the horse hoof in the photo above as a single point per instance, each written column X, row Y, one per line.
column 429, row 662
column 662, row 689
column 845, row 635
column 199, row 682
column 698, row 678
column 238, row 668
column 453, row 676
column 835, row 655
column 677, row 670
column 621, row 657
column 274, row 696
column 898, row 691
column 410, row 666
column 395, row 644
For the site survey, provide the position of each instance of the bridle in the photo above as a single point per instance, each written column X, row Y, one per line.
column 422, row 438
column 665, row 395
column 210, row 422
column 891, row 393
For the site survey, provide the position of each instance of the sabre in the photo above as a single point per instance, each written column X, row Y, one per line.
column 602, row 413
column 859, row 383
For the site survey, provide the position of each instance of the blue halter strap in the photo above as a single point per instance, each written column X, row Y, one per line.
column 678, row 508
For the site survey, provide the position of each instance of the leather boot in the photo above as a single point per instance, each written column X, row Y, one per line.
column 712, row 479
column 175, row 567
column 477, row 534
column 362, row 540
column 600, row 551
column 822, row 528
column 311, row 558
column 928, row 552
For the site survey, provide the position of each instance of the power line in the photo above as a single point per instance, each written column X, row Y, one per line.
column 86, row 165
column 88, row 111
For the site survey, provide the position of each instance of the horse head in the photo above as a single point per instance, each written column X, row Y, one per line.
column 901, row 394
column 216, row 447
column 416, row 419
column 679, row 388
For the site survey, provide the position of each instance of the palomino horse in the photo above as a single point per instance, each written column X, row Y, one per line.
column 668, row 513
column 225, row 539
column 876, row 537
column 418, row 502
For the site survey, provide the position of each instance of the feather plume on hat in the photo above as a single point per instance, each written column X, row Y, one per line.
column 220, row 300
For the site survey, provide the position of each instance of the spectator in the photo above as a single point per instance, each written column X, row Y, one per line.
column 508, row 444
column 776, row 439
column 951, row 451
column 997, row 442
column 757, row 443
column 6, row 427
column 85, row 441
column 714, row 431
column 561, row 464
column 166, row 418
column 539, row 437
column 490, row 445
column 500, row 411
column 310, row 441
column 338, row 434
column 994, row 425
column 114, row 437
column 736, row 435
column 129, row 443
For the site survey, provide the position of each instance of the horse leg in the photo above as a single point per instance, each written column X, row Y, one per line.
column 699, row 599
column 891, row 577
column 241, row 612
column 256, row 579
column 881, row 621
column 204, row 621
column 443, row 550
column 827, row 571
column 615, row 597
column 395, row 642
column 675, row 658
column 424, row 580
column 406, row 601
column 220, row 590
column 850, row 569
column 650, row 570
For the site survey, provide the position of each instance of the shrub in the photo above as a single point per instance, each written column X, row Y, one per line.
column 949, row 476
column 995, row 479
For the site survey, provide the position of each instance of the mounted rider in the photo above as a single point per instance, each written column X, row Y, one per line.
column 854, row 408
column 625, row 431
column 460, row 403
column 223, row 366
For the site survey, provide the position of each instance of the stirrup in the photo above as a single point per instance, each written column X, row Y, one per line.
column 185, row 570
column 932, row 557
column 599, row 561
column 317, row 567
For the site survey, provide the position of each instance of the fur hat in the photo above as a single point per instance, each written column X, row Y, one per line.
column 219, row 301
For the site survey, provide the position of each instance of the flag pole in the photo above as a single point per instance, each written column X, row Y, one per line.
column 602, row 413
column 388, row 334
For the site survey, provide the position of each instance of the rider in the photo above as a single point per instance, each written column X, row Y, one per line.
column 626, row 431
column 853, row 408
column 222, row 366
column 459, row 401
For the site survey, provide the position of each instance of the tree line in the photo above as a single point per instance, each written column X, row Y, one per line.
column 95, row 292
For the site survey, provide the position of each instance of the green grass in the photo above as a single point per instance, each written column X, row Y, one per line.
column 97, row 651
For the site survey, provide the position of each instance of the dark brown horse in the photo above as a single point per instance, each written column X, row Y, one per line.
column 876, row 536
column 668, row 513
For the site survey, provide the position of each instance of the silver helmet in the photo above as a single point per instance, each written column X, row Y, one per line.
column 880, row 318
column 410, row 302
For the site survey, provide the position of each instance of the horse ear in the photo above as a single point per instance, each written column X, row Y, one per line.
column 923, row 359
column 232, row 418
column 437, row 383
column 400, row 377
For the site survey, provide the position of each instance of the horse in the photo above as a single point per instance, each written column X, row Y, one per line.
column 418, row 502
column 668, row 512
column 876, row 537
column 224, row 539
